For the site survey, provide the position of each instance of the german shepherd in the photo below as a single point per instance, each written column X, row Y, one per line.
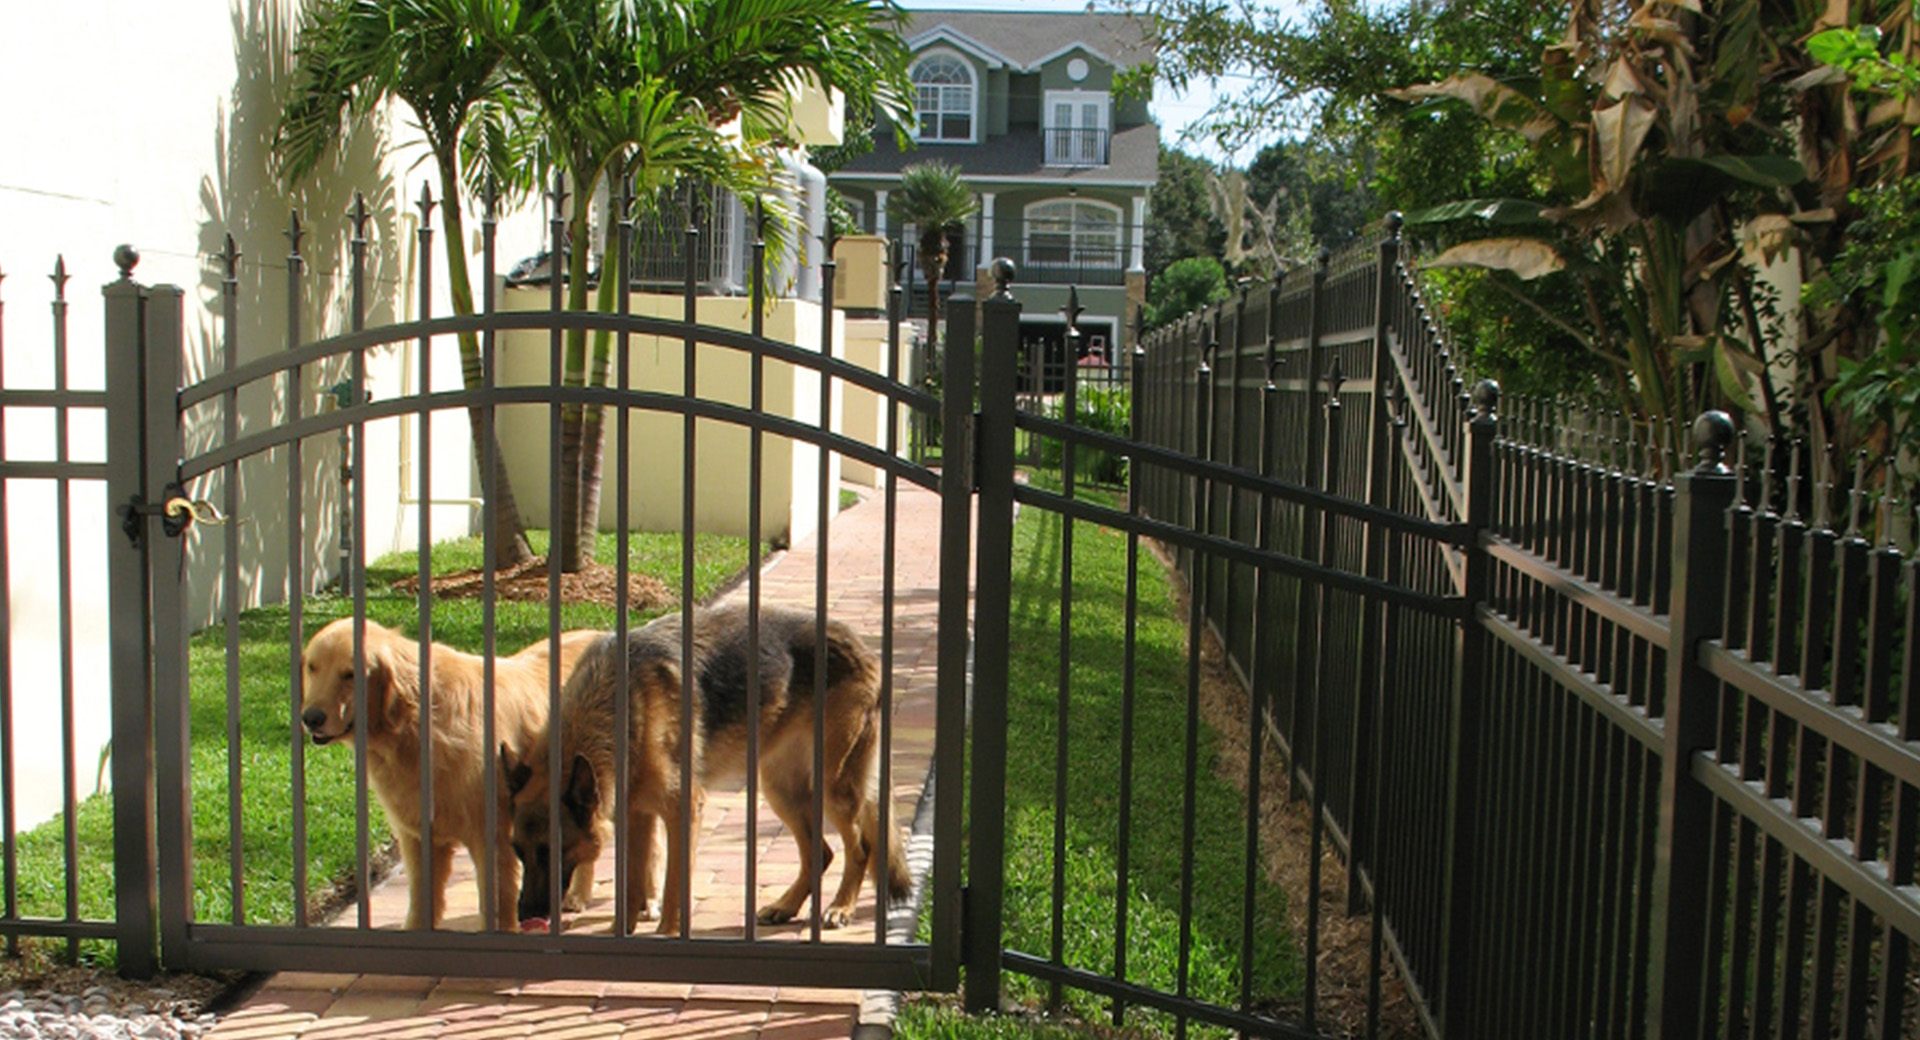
column 786, row 659
column 459, row 752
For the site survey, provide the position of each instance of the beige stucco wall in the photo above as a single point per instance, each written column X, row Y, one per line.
column 790, row 483
column 863, row 413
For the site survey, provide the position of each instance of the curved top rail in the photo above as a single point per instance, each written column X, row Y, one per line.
column 654, row 401
column 546, row 321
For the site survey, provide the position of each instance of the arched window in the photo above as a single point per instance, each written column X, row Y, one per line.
column 1073, row 233
column 943, row 97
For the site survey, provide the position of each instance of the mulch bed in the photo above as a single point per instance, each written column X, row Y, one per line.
column 528, row 582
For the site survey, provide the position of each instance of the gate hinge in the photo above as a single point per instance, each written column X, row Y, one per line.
column 176, row 511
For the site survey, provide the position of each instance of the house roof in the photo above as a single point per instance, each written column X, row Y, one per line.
column 1027, row 40
column 1133, row 160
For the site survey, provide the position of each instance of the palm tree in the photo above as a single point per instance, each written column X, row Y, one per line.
column 932, row 198
column 352, row 54
column 592, row 75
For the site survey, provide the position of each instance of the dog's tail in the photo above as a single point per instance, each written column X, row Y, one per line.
column 899, row 879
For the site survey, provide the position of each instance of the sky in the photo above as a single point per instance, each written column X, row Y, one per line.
column 1175, row 112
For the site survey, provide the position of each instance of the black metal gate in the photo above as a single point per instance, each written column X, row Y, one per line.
column 174, row 439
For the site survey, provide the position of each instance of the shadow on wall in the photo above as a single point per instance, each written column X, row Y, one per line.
column 241, row 198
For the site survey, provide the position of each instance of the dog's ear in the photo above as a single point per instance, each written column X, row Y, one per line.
column 516, row 772
column 582, row 797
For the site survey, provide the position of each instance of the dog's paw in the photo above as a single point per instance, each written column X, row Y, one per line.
column 774, row 914
column 649, row 910
column 837, row 917
column 572, row 904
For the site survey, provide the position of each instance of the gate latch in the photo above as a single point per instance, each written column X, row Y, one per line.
column 176, row 511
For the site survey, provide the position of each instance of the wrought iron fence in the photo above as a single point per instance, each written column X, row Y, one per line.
column 1654, row 774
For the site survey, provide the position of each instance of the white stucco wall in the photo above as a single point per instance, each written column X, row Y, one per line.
column 149, row 124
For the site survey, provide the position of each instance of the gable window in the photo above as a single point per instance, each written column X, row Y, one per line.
column 944, row 97
column 1073, row 235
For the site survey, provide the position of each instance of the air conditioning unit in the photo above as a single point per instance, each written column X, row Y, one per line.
column 860, row 276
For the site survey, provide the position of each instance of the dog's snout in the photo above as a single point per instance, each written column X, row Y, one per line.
column 314, row 718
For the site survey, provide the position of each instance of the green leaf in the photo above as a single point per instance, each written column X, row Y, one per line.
column 1731, row 383
column 1761, row 171
column 1499, row 212
column 1845, row 47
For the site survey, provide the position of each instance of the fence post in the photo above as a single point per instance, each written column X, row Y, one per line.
column 128, row 621
column 1460, row 916
column 1380, row 446
column 992, row 617
column 1683, row 852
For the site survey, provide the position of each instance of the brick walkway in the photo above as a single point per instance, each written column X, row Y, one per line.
column 333, row 1007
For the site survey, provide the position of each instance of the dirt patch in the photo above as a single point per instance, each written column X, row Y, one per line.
column 528, row 582
column 1286, row 837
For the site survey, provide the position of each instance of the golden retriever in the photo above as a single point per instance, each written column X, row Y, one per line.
column 459, row 751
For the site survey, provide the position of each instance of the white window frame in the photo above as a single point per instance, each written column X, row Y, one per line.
column 973, row 96
column 1104, row 258
column 1078, row 99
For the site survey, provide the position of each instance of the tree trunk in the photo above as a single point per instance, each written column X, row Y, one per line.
column 574, row 555
column 593, row 442
column 509, row 531
column 936, row 263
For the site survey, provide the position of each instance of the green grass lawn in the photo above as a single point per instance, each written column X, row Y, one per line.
column 268, row 739
column 1093, row 796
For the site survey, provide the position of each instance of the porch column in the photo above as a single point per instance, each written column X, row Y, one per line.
column 986, row 229
column 880, row 212
column 1139, row 259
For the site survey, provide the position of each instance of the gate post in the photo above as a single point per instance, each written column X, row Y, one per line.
column 128, row 628
column 1461, row 912
column 992, row 608
column 1683, row 850
column 166, row 561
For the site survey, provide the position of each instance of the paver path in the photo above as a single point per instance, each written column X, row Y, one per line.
column 333, row 1007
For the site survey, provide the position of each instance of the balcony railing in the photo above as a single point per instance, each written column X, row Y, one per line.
column 1081, row 265
column 1076, row 146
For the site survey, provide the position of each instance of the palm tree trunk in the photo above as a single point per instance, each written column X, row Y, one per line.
column 936, row 263
column 593, row 442
column 509, row 531
column 574, row 553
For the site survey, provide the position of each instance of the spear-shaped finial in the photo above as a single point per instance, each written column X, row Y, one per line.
column 1336, row 378
column 1793, row 483
column 294, row 232
column 425, row 204
column 59, row 278
column 1886, row 505
column 1858, row 493
column 230, row 259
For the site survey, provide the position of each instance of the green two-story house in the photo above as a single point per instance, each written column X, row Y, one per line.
column 1023, row 104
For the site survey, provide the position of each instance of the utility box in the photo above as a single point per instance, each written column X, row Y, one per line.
column 860, row 276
